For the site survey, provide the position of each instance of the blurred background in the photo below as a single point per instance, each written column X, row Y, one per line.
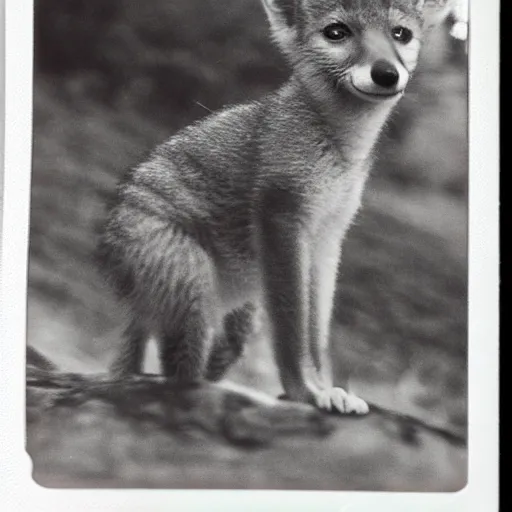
column 112, row 79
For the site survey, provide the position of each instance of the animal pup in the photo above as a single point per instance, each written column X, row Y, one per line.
column 248, row 208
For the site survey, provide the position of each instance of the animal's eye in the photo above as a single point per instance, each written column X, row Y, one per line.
column 402, row 34
column 337, row 32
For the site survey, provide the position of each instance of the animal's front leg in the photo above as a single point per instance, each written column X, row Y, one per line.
column 284, row 244
column 324, row 264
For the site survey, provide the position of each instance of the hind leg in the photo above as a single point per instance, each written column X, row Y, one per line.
column 190, row 317
column 130, row 355
column 168, row 281
column 184, row 349
column 229, row 344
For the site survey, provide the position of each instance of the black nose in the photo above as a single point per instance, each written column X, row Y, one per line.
column 384, row 73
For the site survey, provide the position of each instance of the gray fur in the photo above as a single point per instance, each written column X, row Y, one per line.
column 249, row 207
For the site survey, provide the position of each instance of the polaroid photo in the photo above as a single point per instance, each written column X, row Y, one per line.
column 250, row 245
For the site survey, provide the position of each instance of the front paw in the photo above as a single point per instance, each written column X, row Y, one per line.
column 333, row 399
column 338, row 400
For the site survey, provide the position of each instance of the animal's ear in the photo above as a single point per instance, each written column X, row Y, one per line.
column 436, row 11
column 282, row 17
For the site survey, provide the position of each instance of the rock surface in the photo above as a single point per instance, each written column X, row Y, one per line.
column 87, row 431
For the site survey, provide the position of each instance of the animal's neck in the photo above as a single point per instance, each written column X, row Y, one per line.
column 352, row 123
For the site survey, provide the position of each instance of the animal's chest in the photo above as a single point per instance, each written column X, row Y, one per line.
column 336, row 192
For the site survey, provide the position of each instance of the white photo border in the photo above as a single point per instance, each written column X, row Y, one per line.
column 18, row 489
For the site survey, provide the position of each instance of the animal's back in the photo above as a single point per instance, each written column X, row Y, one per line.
column 199, row 185
column 204, row 167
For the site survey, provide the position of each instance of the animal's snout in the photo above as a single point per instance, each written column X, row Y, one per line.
column 384, row 73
